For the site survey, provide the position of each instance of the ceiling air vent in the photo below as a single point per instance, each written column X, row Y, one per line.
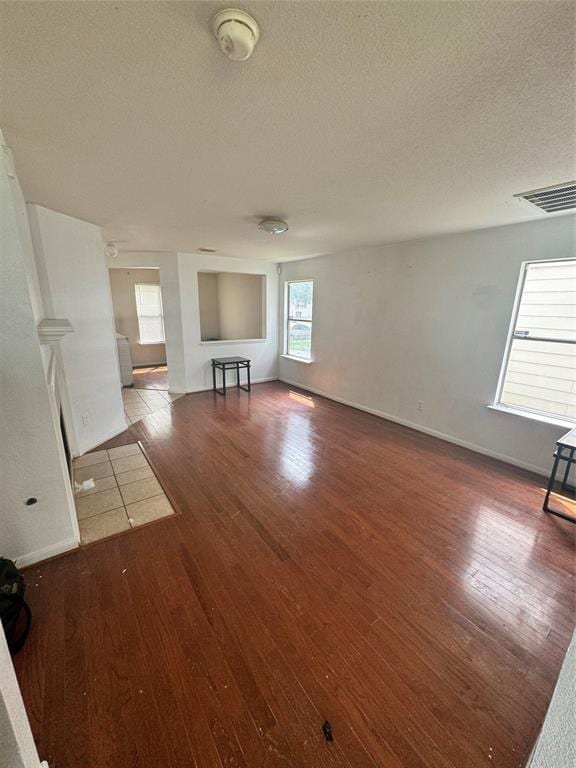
column 560, row 197
column 206, row 250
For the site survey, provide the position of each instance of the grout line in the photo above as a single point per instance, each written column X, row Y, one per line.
column 143, row 479
column 114, row 509
column 96, row 493
column 154, row 496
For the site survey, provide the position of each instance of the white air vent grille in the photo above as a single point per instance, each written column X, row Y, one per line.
column 561, row 197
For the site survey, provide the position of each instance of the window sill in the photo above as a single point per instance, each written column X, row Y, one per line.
column 555, row 422
column 297, row 359
column 233, row 341
column 149, row 343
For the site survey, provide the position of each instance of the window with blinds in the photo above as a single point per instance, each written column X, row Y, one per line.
column 149, row 310
column 540, row 366
column 299, row 319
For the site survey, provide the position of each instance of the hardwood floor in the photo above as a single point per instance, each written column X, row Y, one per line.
column 327, row 565
column 153, row 377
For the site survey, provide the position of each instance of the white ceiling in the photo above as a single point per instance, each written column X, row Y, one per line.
column 359, row 122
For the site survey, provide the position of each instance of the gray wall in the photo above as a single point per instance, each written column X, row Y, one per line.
column 209, row 305
column 428, row 320
column 241, row 306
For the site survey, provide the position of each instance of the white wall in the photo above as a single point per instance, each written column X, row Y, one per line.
column 75, row 285
column 428, row 320
column 263, row 353
column 167, row 264
column 122, row 282
column 17, row 748
column 32, row 461
column 556, row 745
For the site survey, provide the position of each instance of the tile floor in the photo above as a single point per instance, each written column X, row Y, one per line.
column 142, row 402
column 126, row 493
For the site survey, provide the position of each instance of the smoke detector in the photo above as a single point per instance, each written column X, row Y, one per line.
column 273, row 226
column 237, row 33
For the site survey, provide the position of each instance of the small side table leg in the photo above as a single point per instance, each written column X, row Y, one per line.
column 552, row 479
column 213, row 377
column 238, row 375
column 248, row 373
column 224, row 380
column 567, row 470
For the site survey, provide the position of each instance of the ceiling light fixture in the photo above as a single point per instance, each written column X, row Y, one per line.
column 273, row 226
column 111, row 250
column 237, row 33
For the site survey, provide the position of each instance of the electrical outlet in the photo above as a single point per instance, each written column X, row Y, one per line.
column 419, row 405
column 85, row 419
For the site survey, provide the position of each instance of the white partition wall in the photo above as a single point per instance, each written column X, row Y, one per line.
column 262, row 352
column 17, row 748
column 32, row 460
column 74, row 284
column 188, row 357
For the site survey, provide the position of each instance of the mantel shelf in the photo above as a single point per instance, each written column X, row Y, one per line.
column 52, row 330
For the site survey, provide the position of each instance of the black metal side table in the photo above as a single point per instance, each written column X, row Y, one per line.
column 229, row 364
column 565, row 452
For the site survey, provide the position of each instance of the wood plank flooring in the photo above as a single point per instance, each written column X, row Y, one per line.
column 153, row 377
column 327, row 565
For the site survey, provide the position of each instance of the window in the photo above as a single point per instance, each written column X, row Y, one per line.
column 299, row 319
column 539, row 369
column 149, row 311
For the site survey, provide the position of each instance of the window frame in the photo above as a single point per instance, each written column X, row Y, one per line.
column 288, row 319
column 139, row 315
column 519, row 409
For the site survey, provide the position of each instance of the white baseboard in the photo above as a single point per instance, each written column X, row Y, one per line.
column 118, row 429
column 426, row 430
column 46, row 552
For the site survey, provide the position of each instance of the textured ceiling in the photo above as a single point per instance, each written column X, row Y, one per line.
column 359, row 122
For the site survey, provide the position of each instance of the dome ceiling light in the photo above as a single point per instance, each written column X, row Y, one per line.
column 237, row 33
column 273, row 226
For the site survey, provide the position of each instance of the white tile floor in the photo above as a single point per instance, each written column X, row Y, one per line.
column 142, row 402
column 126, row 493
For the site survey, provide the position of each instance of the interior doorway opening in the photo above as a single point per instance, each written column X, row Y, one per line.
column 141, row 340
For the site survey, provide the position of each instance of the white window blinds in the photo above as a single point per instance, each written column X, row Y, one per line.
column 540, row 371
column 149, row 310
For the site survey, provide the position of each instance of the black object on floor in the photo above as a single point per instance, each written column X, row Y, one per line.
column 226, row 364
column 13, row 605
column 327, row 731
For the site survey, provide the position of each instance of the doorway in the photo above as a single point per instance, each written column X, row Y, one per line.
column 139, row 321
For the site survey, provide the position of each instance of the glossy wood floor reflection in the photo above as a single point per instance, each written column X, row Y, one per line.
column 327, row 565
column 152, row 377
